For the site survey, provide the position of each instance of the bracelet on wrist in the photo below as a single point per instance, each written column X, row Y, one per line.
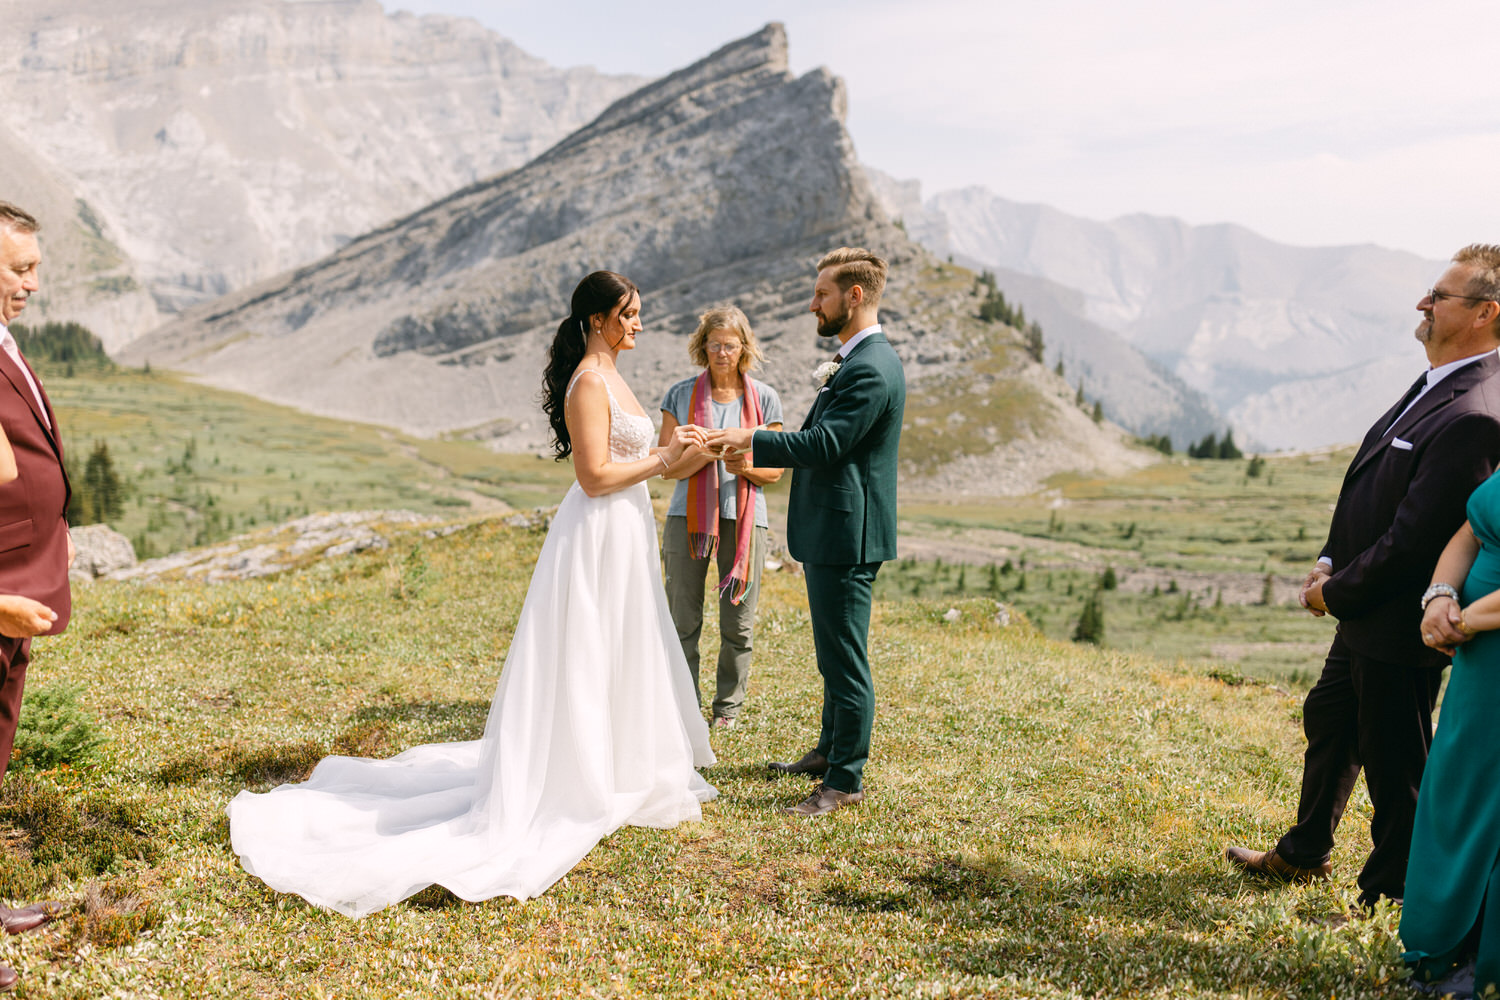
column 665, row 465
column 1463, row 624
column 1437, row 590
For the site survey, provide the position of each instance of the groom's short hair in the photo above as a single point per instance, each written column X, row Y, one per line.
column 857, row 266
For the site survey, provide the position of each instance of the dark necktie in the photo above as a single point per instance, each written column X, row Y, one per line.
column 1406, row 400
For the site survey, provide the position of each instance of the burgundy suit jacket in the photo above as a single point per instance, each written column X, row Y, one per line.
column 1403, row 498
column 33, row 528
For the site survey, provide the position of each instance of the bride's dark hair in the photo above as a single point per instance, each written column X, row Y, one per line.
column 600, row 292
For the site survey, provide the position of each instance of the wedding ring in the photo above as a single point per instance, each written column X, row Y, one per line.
column 1427, row 636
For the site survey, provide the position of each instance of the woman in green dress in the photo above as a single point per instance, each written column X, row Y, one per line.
column 1450, row 918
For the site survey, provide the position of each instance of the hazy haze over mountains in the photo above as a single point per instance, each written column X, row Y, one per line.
column 190, row 148
column 1296, row 346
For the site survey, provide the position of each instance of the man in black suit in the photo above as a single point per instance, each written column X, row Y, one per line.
column 1402, row 499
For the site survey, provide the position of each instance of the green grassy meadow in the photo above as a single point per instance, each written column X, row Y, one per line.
column 199, row 464
column 1045, row 818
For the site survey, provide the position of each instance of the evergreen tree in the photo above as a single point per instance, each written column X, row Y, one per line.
column 1035, row 345
column 1098, row 413
column 1090, row 627
column 1227, row 448
column 102, row 498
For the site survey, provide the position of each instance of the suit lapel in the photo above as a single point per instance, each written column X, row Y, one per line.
column 1437, row 397
column 844, row 363
column 17, row 379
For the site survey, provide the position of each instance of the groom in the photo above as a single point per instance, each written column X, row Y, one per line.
column 841, row 519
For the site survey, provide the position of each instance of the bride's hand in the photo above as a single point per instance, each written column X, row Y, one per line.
column 684, row 437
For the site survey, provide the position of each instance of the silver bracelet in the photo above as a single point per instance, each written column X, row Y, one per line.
column 1437, row 590
column 665, row 465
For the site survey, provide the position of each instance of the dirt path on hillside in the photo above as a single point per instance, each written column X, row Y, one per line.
column 479, row 503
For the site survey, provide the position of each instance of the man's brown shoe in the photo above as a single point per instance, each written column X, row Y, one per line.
column 1270, row 864
column 825, row 800
column 8, row 978
column 28, row 918
column 812, row 763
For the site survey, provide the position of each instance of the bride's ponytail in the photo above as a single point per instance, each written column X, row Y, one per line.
column 600, row 292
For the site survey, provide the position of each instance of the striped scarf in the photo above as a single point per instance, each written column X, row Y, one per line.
column 703, row 492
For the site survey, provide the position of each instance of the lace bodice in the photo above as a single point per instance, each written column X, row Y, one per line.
column 630, row 436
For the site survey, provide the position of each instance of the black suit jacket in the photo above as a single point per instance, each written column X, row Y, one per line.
column 33, row 532
column 1402, row 499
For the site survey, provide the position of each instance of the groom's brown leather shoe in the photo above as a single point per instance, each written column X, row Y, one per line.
column 824, row 800
column 28, row 918
column 812, row 763
column 1271, row 864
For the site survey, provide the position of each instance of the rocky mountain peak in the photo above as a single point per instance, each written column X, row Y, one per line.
column 207, row 144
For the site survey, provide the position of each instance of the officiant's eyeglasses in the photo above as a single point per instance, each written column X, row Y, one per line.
column 722, row 348
column 1437, row 296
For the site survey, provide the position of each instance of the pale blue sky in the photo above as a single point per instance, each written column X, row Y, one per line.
column 1311, row 122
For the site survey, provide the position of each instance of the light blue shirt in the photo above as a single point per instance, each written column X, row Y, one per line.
column 679, row 401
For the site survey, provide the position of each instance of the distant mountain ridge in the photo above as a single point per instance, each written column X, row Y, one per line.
column 1297, row 346
column 179, row 150
column 723, row 181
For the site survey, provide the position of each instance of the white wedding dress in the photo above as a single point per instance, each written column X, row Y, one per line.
column 594, row 725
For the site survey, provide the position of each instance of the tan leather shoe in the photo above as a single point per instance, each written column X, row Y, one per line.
column 8, row 978
column 824, row 800
column 812, row 763
column 1270, row 864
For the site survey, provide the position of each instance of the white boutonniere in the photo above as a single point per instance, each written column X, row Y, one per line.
column 825, row 371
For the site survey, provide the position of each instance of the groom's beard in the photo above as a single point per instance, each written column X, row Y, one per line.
column 833, row 324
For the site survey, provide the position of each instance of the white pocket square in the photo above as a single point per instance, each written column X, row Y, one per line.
column 1398, row 443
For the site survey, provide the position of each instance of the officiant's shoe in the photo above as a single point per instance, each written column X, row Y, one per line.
column 812, row 763
column 8, row 978
column 28, row 918
column 825, row 800
column 1271, row 864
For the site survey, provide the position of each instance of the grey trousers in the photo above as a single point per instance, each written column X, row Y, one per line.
column 684, row 577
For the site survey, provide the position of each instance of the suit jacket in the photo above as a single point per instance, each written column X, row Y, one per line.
column 842, row 508
column 33, row 531
column 1402, row 499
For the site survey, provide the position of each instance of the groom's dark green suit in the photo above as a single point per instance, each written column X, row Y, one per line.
column 841, row 525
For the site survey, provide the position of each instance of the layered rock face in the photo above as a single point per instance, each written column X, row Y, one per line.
column 199, row 145
column 1297, row 346
column 724, row 181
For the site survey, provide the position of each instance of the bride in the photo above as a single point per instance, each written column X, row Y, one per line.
column 594, row 724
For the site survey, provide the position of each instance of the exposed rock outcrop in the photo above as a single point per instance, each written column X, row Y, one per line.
column 199, row 145
column 101, row 550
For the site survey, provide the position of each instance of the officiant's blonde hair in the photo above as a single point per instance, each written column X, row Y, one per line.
column 725, row 316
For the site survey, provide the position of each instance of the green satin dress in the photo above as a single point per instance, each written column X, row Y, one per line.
column 1453, row 877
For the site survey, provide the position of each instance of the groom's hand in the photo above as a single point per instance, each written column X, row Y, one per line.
column 729, row 440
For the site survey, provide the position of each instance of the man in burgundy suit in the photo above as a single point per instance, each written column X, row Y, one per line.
column 1401, row 501
column 35, row 548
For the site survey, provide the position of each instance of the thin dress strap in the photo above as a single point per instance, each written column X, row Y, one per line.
column 587, row 371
